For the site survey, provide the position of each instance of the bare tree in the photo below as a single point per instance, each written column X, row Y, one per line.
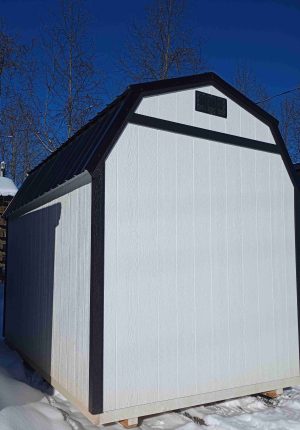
column 285, row 107
column 10, row 59
column 247, row 83
column 289, row 122
column 6, row 56
column 16, row 144
column 287, row 117
column 45, row 98
column 69, row 92
column 162, row 45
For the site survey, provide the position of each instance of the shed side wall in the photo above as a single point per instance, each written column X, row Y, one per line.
column 200, row 282
column 179, row 106
column 48, row 290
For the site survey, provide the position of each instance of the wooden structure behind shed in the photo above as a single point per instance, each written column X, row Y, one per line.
column 7, row 192
column 159, row 268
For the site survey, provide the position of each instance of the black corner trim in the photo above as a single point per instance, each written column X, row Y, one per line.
column 297, row 250
column 97, row 294
column 188, row 130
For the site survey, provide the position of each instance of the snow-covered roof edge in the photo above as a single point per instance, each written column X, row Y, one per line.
column 7, row 187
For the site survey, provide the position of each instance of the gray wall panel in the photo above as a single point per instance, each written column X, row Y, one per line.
column 199, row 268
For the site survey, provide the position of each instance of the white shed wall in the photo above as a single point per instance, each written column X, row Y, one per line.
column 200, row 283
column 179, row 106
column 49, row 288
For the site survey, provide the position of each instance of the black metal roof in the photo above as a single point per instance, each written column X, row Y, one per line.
column 86, row 150
column 68, row 161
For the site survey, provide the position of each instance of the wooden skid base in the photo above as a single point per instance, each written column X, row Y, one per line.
column 130, row 423
column 273, row 394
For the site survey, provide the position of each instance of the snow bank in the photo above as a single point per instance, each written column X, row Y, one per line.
column 252, row 413
column 16, row 393
column 36, row 416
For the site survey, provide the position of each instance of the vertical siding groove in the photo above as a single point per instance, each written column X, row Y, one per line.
column 243, row 269
column 285, row 271
column 257, row 268
column 140, row 376
column 194, row 272
column 176, row 264
column 212, row 364
column 272, row 264
column 194, row 258
column 159, row 328
column 157, row 271
column 194, row 261
column 227, row 263
column 76, row 302
column 117, row 278
column 67, row 303
column 60, row 293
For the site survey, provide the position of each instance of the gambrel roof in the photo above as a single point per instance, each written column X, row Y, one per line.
column 88, row 148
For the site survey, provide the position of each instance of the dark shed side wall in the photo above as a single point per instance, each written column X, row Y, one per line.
column 48, row 290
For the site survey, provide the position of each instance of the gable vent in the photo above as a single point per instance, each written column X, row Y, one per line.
column 212, row 105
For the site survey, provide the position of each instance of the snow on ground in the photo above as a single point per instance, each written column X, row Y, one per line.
column 26, row 403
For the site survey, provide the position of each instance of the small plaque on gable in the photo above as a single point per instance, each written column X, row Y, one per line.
column 213, row 105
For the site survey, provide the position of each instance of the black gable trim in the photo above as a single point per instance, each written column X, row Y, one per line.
column 209, row 78
column 188, row 130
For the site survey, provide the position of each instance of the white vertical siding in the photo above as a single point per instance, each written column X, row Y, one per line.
column 167, row 275
column 185, row 288
column 49, row 288
column 200, row 284
column 203, row 272
column 235, row 264
column 253, row 165
column 179, row 106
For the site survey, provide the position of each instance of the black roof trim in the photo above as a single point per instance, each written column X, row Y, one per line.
column 89, row 146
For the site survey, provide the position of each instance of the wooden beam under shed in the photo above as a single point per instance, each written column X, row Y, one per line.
column 130, row 423
column 273, row 394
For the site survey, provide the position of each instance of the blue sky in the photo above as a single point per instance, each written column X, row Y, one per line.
column 265, row 33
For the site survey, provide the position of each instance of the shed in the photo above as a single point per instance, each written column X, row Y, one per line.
column 152, row 262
